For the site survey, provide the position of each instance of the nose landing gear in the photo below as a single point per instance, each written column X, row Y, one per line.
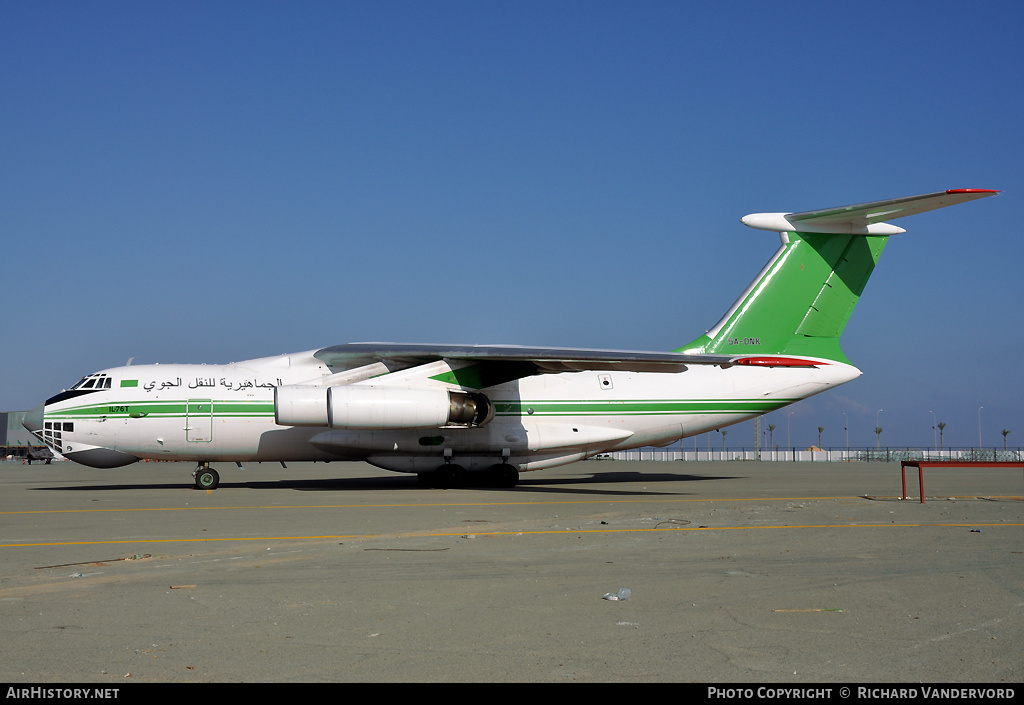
column 206, row 477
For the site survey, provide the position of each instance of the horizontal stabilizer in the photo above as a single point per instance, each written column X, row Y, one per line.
column 864, row 218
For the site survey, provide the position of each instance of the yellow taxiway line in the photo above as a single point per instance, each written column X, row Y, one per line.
column 537, row 532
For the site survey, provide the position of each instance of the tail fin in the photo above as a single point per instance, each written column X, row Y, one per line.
column 801, row 301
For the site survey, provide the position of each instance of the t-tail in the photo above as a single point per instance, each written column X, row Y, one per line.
column 801, row 301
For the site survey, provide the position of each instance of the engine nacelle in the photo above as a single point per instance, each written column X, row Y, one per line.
column 359, row 407
column 379, row 408
column 296, row 405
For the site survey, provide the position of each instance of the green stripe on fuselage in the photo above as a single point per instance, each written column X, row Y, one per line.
column 567, row 407
column 161, row 408
column 638, row 407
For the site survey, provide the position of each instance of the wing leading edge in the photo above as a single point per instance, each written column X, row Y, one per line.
column 521, row 361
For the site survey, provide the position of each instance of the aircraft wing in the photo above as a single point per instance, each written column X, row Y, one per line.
column 863, row 218
column 519, row 361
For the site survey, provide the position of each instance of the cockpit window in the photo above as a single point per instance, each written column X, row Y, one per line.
column 97, row 381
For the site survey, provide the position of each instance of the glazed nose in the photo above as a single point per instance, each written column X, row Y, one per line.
column 33, row 420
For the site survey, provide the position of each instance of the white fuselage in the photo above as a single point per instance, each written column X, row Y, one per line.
column 208, row 413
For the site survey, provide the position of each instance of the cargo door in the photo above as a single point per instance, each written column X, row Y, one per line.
column 199, row 421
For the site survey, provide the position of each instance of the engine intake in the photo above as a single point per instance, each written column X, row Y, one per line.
column 297, row 405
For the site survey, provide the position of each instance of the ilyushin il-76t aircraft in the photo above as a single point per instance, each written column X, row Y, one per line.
column 479, row 415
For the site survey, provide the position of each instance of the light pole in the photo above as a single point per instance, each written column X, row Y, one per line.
column 979, row 426
column 789, row 429
column 935, row 438
column 847, row 428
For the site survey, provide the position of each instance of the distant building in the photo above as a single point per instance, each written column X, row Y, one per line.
column 14, row 438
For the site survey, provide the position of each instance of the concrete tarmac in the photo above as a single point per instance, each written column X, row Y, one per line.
column 739, row 572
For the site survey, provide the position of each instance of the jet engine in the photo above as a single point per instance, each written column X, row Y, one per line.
column 374, row 407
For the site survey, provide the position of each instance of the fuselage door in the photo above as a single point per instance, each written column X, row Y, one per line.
column 199, row 421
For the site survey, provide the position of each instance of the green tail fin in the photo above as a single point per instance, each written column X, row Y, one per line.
column 801, row 301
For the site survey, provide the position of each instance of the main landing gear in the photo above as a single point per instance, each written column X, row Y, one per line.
column 206, row 477
column 450, row 476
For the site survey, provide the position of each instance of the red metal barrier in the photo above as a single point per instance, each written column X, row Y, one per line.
column 922, row 464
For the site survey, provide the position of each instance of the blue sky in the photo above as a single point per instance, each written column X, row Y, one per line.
column 208, row 182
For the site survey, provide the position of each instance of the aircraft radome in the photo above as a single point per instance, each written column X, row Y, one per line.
column 480, row 415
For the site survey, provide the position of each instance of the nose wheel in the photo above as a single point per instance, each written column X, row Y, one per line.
column 206, row 478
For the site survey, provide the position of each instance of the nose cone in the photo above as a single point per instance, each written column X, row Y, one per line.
column 33, row 420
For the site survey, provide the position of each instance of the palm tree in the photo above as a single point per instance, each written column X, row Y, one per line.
column 771, row 435
column 820, row 429
column 724, row 433
column 1005, row 432
column 878, row 437
column 942, row 427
